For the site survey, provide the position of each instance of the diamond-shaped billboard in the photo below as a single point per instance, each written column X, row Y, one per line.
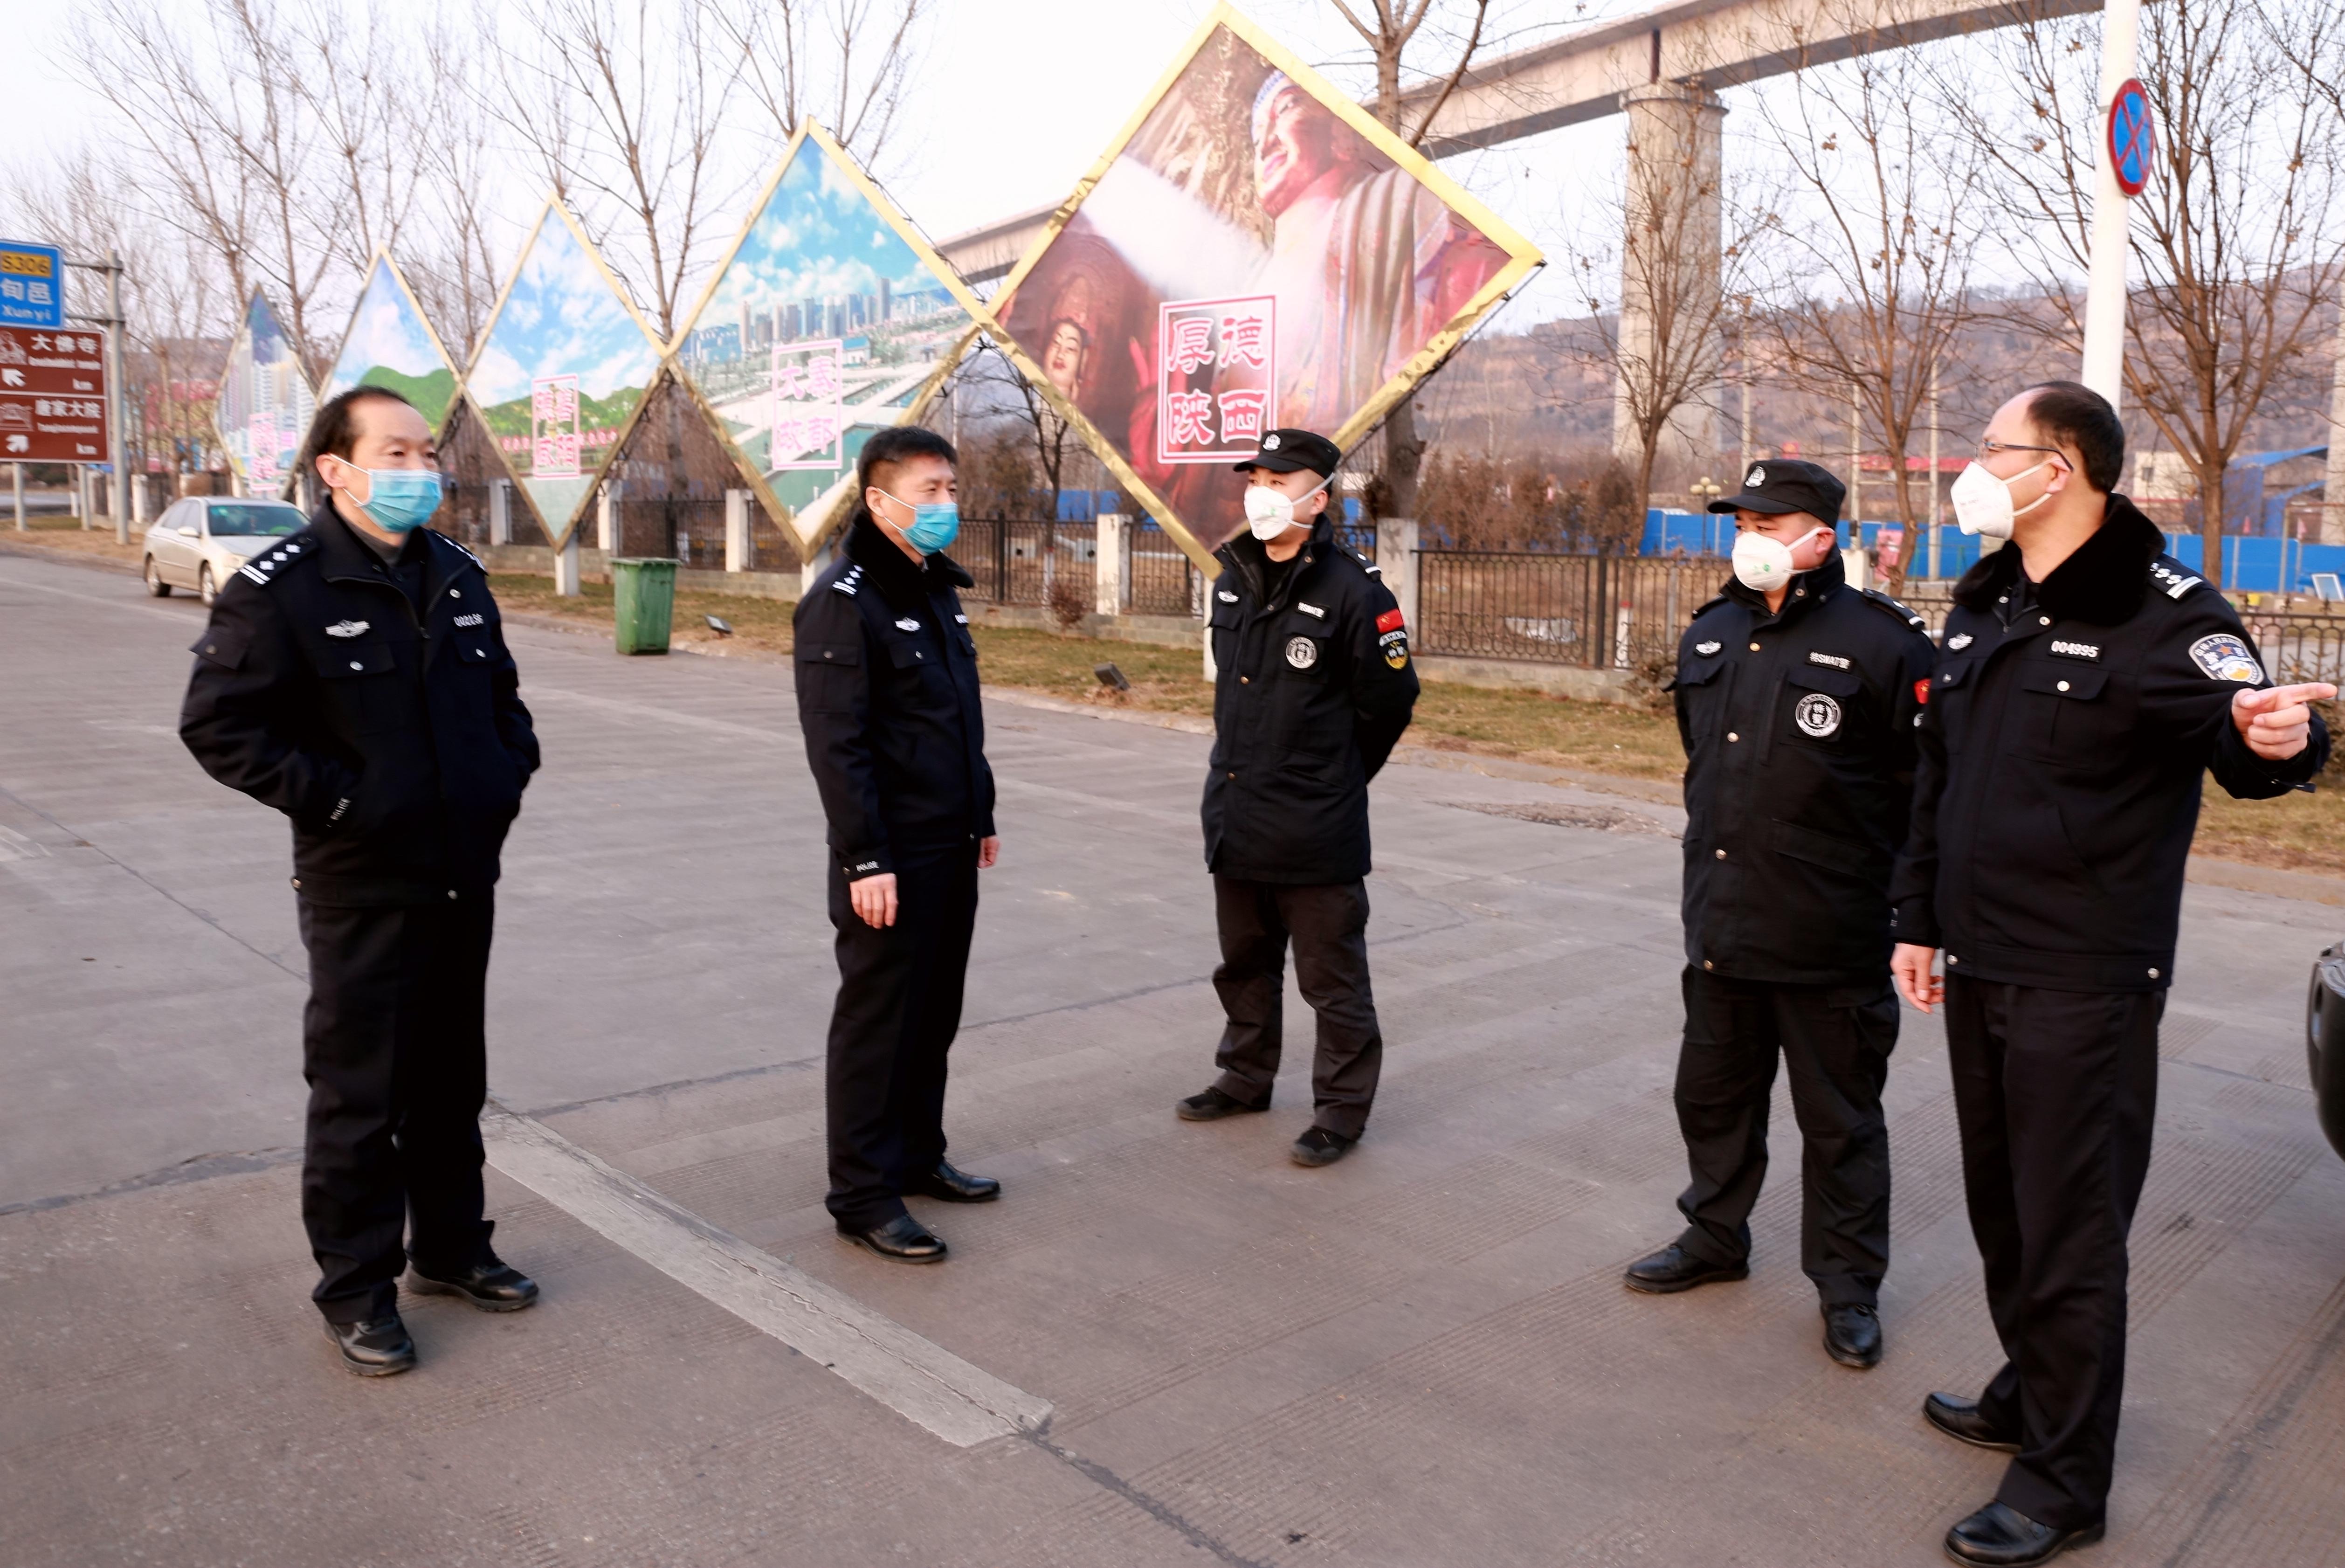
column 391, row 344
column 1253, row 251
column 830, row 317
column 562, row 371
column 266, row 402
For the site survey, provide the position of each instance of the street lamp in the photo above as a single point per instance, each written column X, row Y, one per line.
column 1704, row 491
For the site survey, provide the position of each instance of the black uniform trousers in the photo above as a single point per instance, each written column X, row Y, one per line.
column 1328, row 924
column 393, row 1050
column 1835, row 1042
column 2056, row 1091
column 899, row 994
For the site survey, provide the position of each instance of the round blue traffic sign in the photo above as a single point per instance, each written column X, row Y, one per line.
column 2133, row 140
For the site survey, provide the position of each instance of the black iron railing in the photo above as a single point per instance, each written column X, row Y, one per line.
column 1605, row 612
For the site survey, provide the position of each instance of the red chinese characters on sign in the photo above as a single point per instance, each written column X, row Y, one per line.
column 1214, row 377
column 810, row 406
column 554, row 444
column 52, row 396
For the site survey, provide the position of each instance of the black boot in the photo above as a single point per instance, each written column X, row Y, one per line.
column 374, row 1348
column 2000, row 1536
column 902, row 1240
column 1852, row 1334
column 491, row 1285
column 1673, row 1268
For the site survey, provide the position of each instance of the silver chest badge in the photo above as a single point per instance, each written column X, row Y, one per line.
column 346, row 628
column 1706, row 649
column 1817, row 715
column 1959, row 641
column 1302, row 652
column 907, row 625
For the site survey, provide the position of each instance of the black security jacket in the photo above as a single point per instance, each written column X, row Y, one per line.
column 1312, row 690
column 1799, row 731
column 2061, row 762
column 887, row 699
column 397, row 742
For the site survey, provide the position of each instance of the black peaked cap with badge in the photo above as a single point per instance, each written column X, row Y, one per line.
column 1783, row 486
column 1287, row 451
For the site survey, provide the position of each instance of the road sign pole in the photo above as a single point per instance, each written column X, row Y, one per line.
column 2104, row 294
column 117, row 450
column 16, row 481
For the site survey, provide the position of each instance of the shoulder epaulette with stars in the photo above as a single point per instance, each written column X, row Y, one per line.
column 2171, row 581
column 1705, row 607
column 1888, row 606
column 460, row 549
column 847, row 584
column 262, row 569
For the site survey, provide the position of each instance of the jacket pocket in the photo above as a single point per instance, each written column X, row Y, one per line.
column 361, row 688
column 2067, row 716
column 1821, row 705
column 1830, row 851
column 827, row 673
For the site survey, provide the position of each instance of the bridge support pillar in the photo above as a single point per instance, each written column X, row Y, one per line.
column 1671, row 338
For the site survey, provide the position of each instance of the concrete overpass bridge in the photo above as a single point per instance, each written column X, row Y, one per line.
column 1662, row 68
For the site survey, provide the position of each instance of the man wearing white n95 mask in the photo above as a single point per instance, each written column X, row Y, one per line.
column 1797, row 699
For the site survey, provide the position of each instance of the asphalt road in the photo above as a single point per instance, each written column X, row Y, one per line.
column 1422, row 1355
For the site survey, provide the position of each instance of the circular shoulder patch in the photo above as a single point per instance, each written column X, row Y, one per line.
column 1817, row 715
column 1302, row 652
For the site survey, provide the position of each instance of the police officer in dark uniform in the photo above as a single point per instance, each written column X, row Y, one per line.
column 887, row 699
column 355, row 676
column 1797, row 698
column 1312, row 689
column 2087, row 683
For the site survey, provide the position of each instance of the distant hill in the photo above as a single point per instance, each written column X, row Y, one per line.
column 511, row 417
column 430, row 394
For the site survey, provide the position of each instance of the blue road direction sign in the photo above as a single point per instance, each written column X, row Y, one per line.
column 32, row 285
column 2132, row 140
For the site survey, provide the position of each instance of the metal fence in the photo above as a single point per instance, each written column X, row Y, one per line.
column 1601, row 611
column 1018, row 561
column 1158, row 579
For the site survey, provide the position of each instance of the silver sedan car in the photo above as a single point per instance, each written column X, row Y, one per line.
column 199, row 541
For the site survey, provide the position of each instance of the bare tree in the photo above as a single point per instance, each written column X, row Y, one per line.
column 451, row 258
column 842, row 62
column 1870, row 259
column 1389, row 29
column 2236, row 248
column 994, row 391
column 374, row 110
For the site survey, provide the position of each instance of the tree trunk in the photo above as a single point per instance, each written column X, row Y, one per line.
column 1647, row 451
column 2210, row 526
column 1404, row 458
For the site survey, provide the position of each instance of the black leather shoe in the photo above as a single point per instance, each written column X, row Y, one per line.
column 2000, row 1536
column 1673, row 1268
column 1318, row 1146
column 374, row 1348
column 956, row 1186
column 492, row 1286
column 902, row 1238
column 1852, row 1334
column 1959, row 1418
column 1213, row 1105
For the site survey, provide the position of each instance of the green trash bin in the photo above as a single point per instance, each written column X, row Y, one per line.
column 643, row 599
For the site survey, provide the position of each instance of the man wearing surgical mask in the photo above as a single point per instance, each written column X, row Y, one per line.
column 1312, row 689
column 1797, row 698
column 2087, row 687
column 895, row 733
column 355, row 676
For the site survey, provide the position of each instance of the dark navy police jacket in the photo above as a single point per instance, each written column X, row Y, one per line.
column 887, row 700
column 1799, row 731
column 2062, row 758
column 396, row 741
column 1312, row 690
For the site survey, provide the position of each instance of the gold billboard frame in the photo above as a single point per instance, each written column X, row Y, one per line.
column 554, row 207
column 1523, row 258
column 810, row 526
column 383, row 257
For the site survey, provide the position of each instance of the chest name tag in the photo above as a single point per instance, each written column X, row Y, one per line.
column 1302, row 652
column 2226, row 657
column 2063, row 648
column 1834, row 661
column 906, row 624
column 1310, row 609
column 346, row 628
column 1817, row 715
column 1706, row 649
column 1959, row 641
column 471, row 620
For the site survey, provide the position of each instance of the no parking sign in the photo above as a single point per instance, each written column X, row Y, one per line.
column 2133, row 140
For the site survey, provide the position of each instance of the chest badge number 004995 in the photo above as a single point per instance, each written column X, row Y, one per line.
column 1302, row 652
column 1817, row 715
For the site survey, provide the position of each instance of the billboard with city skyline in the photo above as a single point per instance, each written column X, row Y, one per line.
column 389, row 344
column 562, row 370
column 1253, row 251
column 266, row 402
column 830, row 317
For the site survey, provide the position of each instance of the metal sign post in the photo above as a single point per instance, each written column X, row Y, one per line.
column 2104, row 294
column 119, row 489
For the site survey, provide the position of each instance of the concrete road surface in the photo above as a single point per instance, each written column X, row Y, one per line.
column 1166, row 1344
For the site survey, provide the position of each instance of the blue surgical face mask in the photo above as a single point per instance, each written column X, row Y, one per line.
column 397, row 499
column 933, row 525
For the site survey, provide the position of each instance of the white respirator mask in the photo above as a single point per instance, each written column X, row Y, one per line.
column 1270, row 512
column 1982, row 500
column 1764, row 564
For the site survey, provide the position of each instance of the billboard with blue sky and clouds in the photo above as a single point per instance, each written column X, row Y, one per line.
column 389, row 344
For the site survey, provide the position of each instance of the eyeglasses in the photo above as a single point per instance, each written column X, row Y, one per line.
column 1991, row 448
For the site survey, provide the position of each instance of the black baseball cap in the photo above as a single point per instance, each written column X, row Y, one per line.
column 1779, row 486
column 1285, row 451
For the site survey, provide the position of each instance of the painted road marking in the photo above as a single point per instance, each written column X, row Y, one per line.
column 923, row 1382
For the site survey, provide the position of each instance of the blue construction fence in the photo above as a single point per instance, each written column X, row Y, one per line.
column 2252, row 564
